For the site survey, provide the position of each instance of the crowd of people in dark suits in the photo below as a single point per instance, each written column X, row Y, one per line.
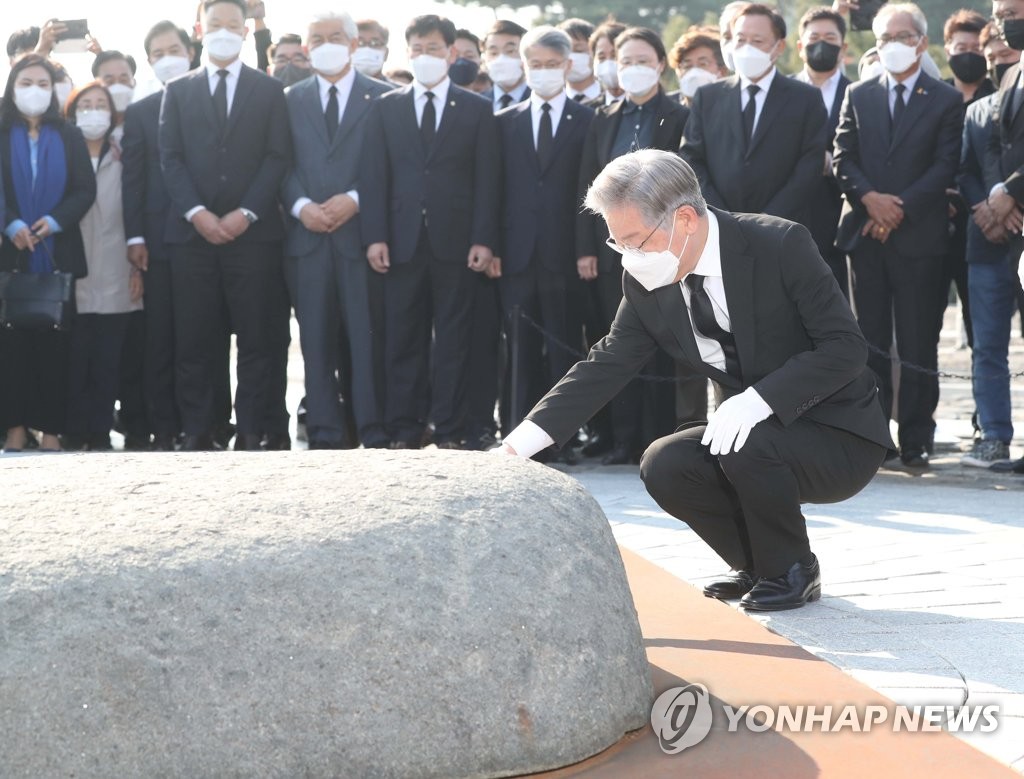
column 426, row 228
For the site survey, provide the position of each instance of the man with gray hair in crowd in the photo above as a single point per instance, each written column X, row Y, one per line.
column 747, row 301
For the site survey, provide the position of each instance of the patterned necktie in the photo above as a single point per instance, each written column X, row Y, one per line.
column 705, row 324
column 428, row 124
column 331, row 115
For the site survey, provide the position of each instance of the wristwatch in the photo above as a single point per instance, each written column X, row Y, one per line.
column 249, row 215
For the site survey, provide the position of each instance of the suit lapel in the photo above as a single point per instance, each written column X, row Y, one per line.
column 917, row 103
column 358, row 104
column 566, row 127
column 673, row 310
column 407, row 107
column 662, row 127
column 204, row 97
column 311, row 101
column 738, row 278
column 448, row 119
column 246, row 84
column 524, row 132
column 615, row 116
column 879, row 98
column 837, row 101
column 774, row 102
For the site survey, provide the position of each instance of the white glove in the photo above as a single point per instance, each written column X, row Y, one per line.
column 732, row 422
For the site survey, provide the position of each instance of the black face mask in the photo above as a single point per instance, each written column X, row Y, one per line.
column 463, row 72
column 291, row 74
column 968, row 66
column 1013, row 33
column 1000, row 70
column 822, row 56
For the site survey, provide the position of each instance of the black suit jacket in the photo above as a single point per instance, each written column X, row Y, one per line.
column 778, row 172
column 241, row 167
column 1004, row 156
column 591, row 231
column 539, row 212
column 918, row 163
column 79, row 195
column 146, row 201
column 798, row 342
column 454, row 187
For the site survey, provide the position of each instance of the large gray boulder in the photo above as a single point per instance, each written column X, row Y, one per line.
column 321, row 614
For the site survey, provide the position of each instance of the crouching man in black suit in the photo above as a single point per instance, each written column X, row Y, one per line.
column 747, row 301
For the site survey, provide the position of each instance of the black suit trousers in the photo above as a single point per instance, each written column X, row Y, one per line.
column 161, row 398
column 95, row 366
column 213, row 286
column 419, row 293
column 895, row 292
column 746, row 505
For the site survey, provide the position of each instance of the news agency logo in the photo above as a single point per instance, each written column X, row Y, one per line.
column 682, row 718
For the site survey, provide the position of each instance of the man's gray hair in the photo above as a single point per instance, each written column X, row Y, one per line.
column 889, row 10
column 652, row 181
column 546, row 37
column 347, row 23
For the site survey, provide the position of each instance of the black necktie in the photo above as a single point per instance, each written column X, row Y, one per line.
column 331, row 117
column 705, row 324
column 899, row 106
column 220, row 98
column 579, row 98
column 505, row 100
column 750, row 112
column 428, row 125
column 545, row 135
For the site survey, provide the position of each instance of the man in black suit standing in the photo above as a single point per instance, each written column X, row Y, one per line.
column 326, row 266
column 746, row 301
column 225, row 147
column 822, row 47
column 757, row 140
column 542, row 143
column 429, row 217
column 896, row 153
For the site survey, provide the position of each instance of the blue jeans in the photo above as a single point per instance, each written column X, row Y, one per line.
column 993, row 296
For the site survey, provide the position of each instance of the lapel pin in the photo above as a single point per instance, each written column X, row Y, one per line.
column 366, row 97
column 661, row 122
column 922, row 91
column 568, row 116
column 452, row 104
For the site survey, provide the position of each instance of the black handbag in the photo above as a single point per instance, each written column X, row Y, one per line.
column 36, row 301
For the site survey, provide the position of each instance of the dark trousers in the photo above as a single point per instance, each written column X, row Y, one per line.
column 540, row 293
column 483, row 371
column 954, row 270
column 279, row 313
column 423, row 292
column 94, row 372
column 891, row 290
column 158, row 364
column 131, row 389
column 746, row 505
column 34, row 388
column 214, row 285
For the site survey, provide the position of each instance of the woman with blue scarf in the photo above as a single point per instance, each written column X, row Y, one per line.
column 48, row 186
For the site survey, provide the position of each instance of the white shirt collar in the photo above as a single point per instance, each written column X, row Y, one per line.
column 594, row 90
column 909, row 82
column 710, row 261
column 765, row 83
column 557, row 102
column 440, row 90
column 516, row 93
column 344, row 84
column 233, row 69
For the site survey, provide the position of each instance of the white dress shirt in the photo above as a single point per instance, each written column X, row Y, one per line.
column 529, row 438
column 610, row 99
column 344, row 87
column 590, row 93
column 765, row 84
column 440, row 98
column 518, row 96
column 828, row 88
column 910, row 82
column 557, row 104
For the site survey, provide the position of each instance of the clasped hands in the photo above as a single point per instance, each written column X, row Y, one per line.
column 222, row 230
column 998, row 217
column 328, row 216
column 731, row 423
column 885, row 214
column 27, row 238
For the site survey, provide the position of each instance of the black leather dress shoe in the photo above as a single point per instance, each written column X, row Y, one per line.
column 801, row 584
column 914, row 458
column 564, row 456
column 619, row 455
column 597, row 447
column 277, row 442
column 198, row 443
column 163, row 443
column 326, row 445
column 1009, row 466
column 449, row 445
column 732, row 586
column 402, row 445
column 248, row 442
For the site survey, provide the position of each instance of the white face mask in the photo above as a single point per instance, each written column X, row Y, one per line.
column 654, row 269
column 368, row 61
column 63, row 91
column 898, row 57
column 607, row 73
column 122, row 95
column 730, row 63
column 694, row 79
column 429, row 70
column 751, row 62
column 873, row 70
column 32, row 101
column 223, row 45
column 170, row 67
column 638, row 79
column 505, row 71
column 581, row 66
column 93, row 123
column 546, row 82
column 329, row 58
